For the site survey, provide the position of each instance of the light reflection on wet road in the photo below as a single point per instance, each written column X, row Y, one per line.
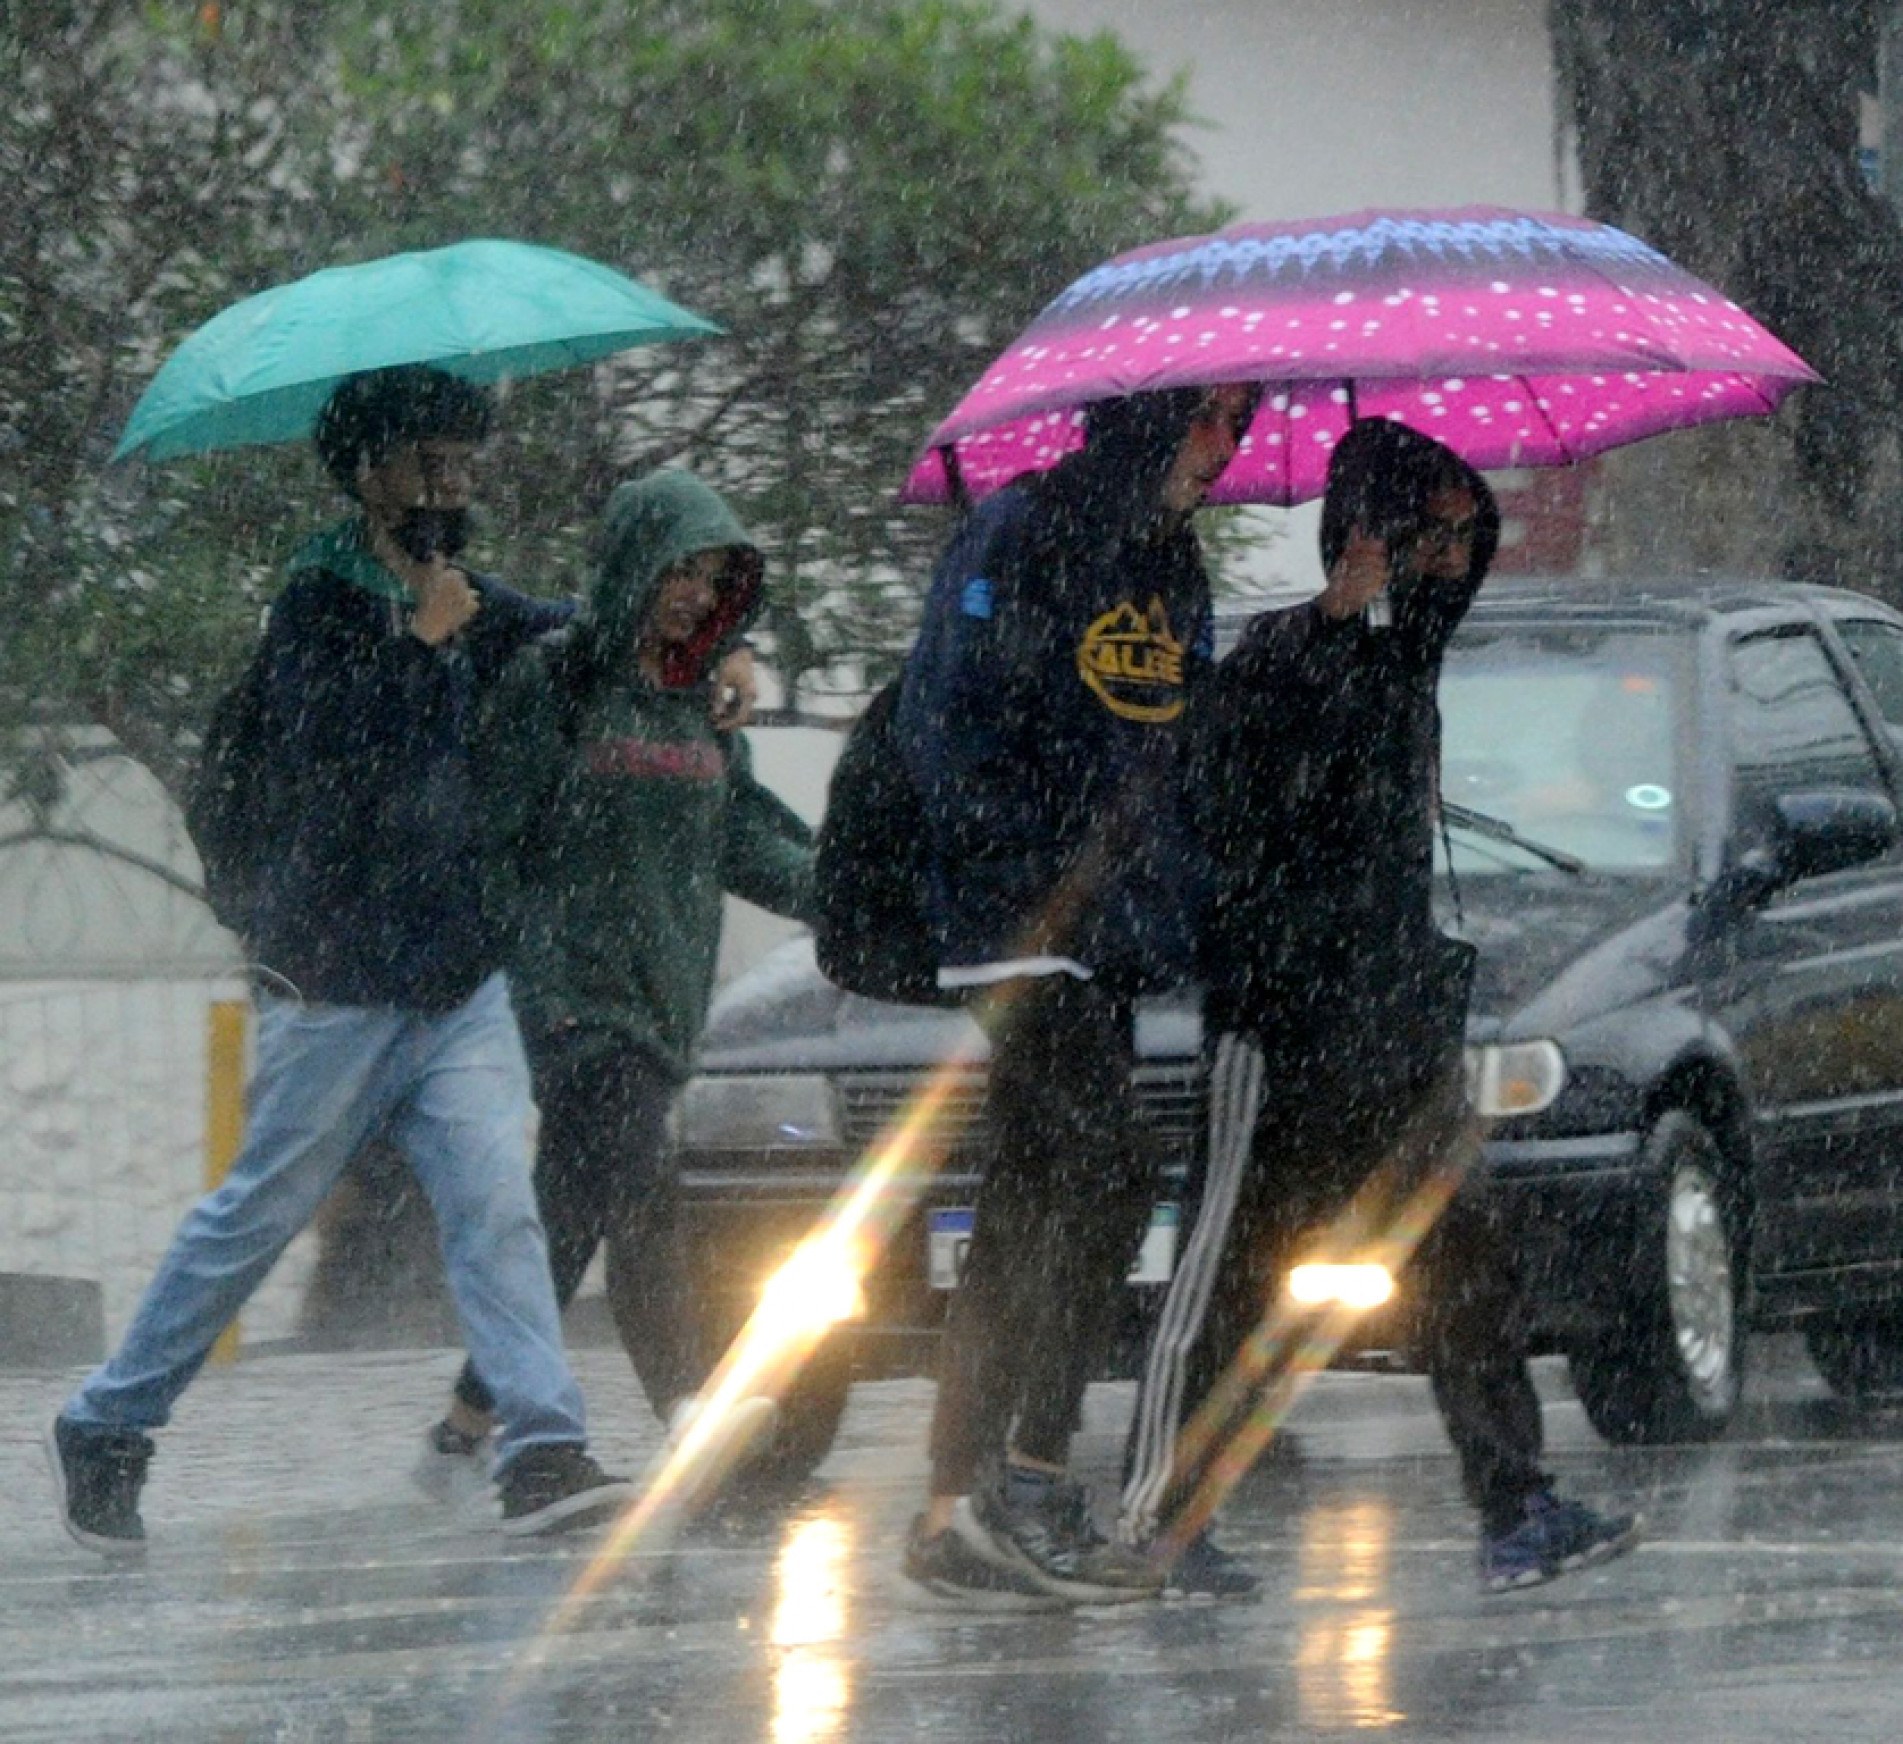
column 297, row 1590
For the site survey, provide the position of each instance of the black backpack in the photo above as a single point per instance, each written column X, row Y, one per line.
column 871, row 870
column 232, row 803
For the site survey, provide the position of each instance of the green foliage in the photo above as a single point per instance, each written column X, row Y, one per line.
column 871, row 195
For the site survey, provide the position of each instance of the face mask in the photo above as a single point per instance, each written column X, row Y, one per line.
column 426, row 533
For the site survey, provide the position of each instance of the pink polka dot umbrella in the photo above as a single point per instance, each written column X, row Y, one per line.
column 1516, row 338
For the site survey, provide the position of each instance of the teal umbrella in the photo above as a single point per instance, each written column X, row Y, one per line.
column 260, row 371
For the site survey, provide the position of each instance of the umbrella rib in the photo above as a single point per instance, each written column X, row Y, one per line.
column 1560, row 444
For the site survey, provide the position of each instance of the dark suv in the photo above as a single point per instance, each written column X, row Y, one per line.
column 1672, row 820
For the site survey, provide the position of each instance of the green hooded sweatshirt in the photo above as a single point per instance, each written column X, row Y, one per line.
column 616, row 814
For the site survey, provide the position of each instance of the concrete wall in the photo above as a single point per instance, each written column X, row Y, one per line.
column 102, row 1132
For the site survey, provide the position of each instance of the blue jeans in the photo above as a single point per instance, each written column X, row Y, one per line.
column 452, row 1089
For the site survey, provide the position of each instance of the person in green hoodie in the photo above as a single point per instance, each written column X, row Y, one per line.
column 617, row 817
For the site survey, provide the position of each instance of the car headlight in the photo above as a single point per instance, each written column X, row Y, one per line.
column 1508, row 1078
column 768, row 1112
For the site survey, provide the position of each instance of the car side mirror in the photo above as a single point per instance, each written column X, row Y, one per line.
column 1813, row 832
column 1831, row 829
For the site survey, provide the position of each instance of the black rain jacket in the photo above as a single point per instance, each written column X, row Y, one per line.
column 1315, row 758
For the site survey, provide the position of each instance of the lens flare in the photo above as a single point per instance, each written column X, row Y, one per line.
column 820, row 1285
column 1353, row 1286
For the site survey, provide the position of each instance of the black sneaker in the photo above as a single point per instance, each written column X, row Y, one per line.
column 948, row 1568
column 97, row 1477
column 1553, row 1538
column 1055, row 1542
column 1204, row 1570
column 557, row 1489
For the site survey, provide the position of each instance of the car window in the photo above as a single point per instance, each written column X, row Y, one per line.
column 1793, row 727
column 1568, row 735
column 1877, row 648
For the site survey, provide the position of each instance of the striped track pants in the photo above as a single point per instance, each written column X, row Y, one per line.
column 1236, row 1080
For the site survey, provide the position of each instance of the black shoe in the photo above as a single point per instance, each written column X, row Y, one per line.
column 557, row 1489
column 1204, row 1570
column 948, row 1568
column 97, row 1477
column 1552, row 1538
column 1056, row 1543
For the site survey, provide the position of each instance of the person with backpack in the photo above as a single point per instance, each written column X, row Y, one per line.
column 382, row 1007
column 1038, row 720
column 617, row 816
column 1334, row 1010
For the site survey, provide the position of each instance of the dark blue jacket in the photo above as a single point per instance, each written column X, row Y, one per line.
column 376, row 899
column 1039, row 717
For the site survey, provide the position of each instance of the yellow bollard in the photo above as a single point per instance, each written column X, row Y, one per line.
column 224, row 1117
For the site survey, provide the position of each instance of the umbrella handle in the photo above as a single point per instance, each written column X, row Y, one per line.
column 955, row 478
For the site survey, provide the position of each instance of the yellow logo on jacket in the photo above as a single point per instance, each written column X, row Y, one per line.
column 1133, row 663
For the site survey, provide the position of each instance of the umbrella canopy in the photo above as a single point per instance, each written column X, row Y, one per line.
column 260, row 371
column 1516, row 338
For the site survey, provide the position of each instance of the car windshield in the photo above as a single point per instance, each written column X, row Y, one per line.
column 1568, row 736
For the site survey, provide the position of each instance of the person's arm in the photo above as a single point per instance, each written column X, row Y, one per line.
column 520, row 750
column 766, row 854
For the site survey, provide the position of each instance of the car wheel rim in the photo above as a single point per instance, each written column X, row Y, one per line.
column 1699, row 1285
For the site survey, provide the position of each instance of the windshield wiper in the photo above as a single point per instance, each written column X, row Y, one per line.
column 1499, row 830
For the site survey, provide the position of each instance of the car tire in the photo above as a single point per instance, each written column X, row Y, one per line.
column 1859, row 1358
column 809, row 1417
column 1671, row 1367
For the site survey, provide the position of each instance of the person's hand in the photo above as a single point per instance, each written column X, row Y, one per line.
column 445, row 601
column 1358, row 576
column 736, row 691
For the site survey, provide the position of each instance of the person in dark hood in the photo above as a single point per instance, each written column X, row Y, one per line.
column 1067, row 625
column 1334, row 1009
column 617, row 818
column 386, row 1011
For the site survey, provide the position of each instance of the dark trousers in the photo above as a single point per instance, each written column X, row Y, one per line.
column 1278, row 1168
column 1068, row 1187
column 604, row 1172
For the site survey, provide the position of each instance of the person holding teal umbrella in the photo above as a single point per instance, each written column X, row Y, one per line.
column 382, row 1006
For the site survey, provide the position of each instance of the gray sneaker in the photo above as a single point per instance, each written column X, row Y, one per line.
column 1055, row 1542
column 452, row 1466
column 948, row 1568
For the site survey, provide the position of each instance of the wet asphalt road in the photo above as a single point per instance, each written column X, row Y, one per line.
column 297, row 1589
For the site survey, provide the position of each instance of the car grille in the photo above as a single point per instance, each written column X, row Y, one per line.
column 1169, row 1095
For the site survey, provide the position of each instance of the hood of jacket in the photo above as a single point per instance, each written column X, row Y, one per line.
column 1380, row 479
column 651, row 524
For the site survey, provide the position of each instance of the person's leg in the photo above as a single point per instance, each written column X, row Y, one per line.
column 322, row 1080
column 648, row 1284
column 1059, row 1216
column 1476, row 1357
column 1476, row 1349
column 1074, row 1096
column 465, row 1128
column 1188, row 1346
column 578, row 1095
column 986, row 1321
